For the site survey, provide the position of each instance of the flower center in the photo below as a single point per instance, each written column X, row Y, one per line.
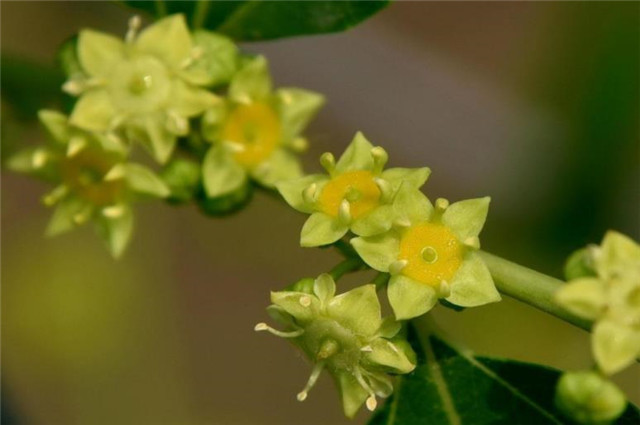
column 84, row 174
column 357, row 187
column 432, row 252
column 140, row 85
column 255, row 130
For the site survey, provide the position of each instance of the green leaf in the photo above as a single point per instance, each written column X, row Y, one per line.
column 461, row 388
column 266, row 20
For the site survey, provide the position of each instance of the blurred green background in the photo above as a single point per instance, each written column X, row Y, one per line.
column 534, row 104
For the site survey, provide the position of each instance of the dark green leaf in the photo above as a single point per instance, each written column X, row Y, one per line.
column 265, row 20
column 460, row 388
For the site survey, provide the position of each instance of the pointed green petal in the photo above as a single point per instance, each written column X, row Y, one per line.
column 352, row 394
column 412, row 177
column 472, row 284
column 618, row 252
column 57, row 124
column 298, row 304
column 389, row 327
column 615, row 346
column 291, row 191
column 409, row 298
column 321, row 229
column 358, row 310
column 252, row 82
column 221, row 174
column 160, row 140
column 143, row 180
column 62, row 219
column 393, row 359
column 212, row 121
column 357, row 156
column 378, row 251
column 99, row 52
column 374, row 223
column 218, row 62
column 584, row 297
column 189, row 101
column 411, row 205
column 296, row 108
column 324, row 287
column 466, row 218
column 167, row 39
column 119, row 231
column 282, row 165
column 93, row 111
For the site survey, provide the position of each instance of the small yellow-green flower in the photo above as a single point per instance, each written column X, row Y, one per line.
column 149, row 86
column 431, row 254
column 611, row 299
column 94, row 181
column 256, row 131
column 345, row 335
column 357, row 195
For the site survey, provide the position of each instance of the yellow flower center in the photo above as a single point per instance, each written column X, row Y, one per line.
column 432, row 252
column 357, row 187
column 255, row 129
column 84, row 174
column 140, row 85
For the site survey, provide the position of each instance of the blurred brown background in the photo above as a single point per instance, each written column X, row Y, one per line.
column 535, row 104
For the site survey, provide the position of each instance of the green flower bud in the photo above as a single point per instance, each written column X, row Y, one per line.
column 588, row 398
column 227, row 204
column 183, row 178
column 345, row 335
column 580, row 264
column 357, row 194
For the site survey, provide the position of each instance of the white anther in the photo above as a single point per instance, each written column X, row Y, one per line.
column 397, row 266
column 73, row 87
column 444, row 290
column 305, row 301
column 328, row 162
column 372, row 403
column 39, row 158
column 134, row 25
column 386, row 191
column 366, row 349
column 235, row 147
column 472, row 242
column 113, row 211
column 55, row 195
column 402, row 222
column 261, row 327
column 392, row 346
column 380, row 158
column 442, row 204
column 76, row 144
column 299, row 144
column 117, row 172
column 344, row 212
column 309, row 193
column 302, row 395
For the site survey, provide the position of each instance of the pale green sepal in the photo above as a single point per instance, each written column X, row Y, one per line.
column 98, row 52
column 93, row 111
column 167, row 39
column 376, row 222
column 119, row 231
column 296, row 108
column 617, row 253
column 280, row 315
column 62, row 219
column 411, row 205
column 584, row 297
column 252, row 82
column 472, row 284
column 378, row 251
column 392, row 358
column 357, row 156
column 212, row 119
column 358, row 310
column 380, row 383
column 282, row 165
column 217, row 63
column 409, row 298
column 389, row 327
column 291, row 191
column 352, row 394
column 324, row 287
column 220, row 173
column 321, row 229
column 189, row 101
column 161, row 141
column 57, row 124
column 466, row 218
column 615, row 346
column 143, row 180
column 303, row 307
column 412, row 177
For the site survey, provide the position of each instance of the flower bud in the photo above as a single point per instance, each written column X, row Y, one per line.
column 182, row 176
column 580, row 264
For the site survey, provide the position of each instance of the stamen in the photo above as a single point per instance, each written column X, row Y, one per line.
column 196, row 53
column 472, row 242
column 264, row 327
column 73, row 87
column 39, row 158
column 444, row 290
column 392, row 346
column 235, row 147
column 328, row 162
column 305, row 301
column 134, row 26
column 309, row 193
column 328, row 348
column 286, row 98
column 402, row 222
column 380, row 158
column 397, row 266
column 83, row 215
column 442, row 204
column 117, row 172
column 76, row 144
column 367, row 349
column 371, row 401
column 55, row 195
column 344, row 212
column 177, row 124
column 313, row 378
column 113, row 211
column 386, row 191
column 299, row 144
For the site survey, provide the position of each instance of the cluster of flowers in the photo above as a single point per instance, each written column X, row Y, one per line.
column 428, row 252
column 167, row 89
column 603, row 287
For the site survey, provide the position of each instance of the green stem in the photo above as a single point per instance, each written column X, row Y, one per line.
column 381, row 280
column 346, row 266
column 529, row 286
